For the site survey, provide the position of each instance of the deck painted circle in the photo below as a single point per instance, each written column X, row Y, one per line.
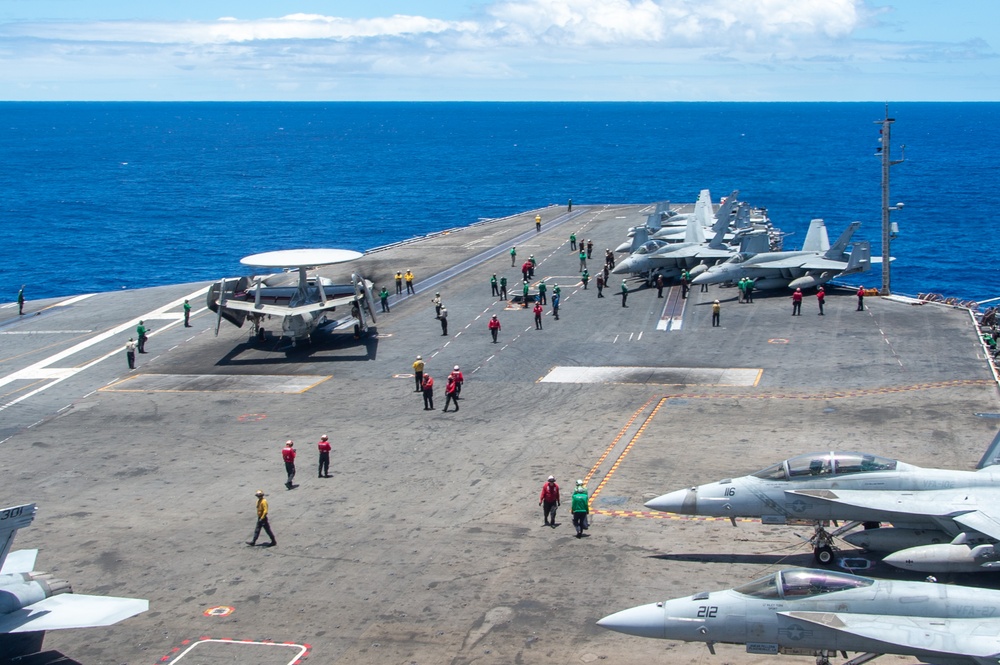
column 220, row 611
column 293, row 258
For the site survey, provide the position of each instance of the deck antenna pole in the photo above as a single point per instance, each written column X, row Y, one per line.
column 889, row 230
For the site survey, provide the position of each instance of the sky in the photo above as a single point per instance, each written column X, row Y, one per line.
column 502, row 50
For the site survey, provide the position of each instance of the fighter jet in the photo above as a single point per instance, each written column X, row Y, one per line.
column 693, row 254
column 808, row 267
column 35, row 601
column 820, row 612
column 942, row 520
column 303, row 304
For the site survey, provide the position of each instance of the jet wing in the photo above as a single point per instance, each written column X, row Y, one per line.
column 21, row 561
column 70, row 610
column 970, row 508
column 971, row 640
column 799, row 262
column 280, row 310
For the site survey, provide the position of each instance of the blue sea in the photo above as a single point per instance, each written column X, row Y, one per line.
column 104, row 196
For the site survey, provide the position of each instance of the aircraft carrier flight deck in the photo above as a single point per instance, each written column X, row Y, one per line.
column 426, row 545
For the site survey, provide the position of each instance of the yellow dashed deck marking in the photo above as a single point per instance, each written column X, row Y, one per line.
column 661, row 399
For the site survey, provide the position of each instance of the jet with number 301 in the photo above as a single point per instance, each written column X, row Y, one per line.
column 942, row 520
column 33, row 602
column 804, row 611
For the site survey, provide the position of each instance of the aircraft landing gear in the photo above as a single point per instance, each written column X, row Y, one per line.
column 822, row 542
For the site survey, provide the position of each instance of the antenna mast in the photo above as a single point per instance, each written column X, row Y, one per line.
column 888, row 232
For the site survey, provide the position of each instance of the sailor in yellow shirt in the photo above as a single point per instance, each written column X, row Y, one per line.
column 409, row 281
column 538, row 222
column 262, row 522
column 418, row 373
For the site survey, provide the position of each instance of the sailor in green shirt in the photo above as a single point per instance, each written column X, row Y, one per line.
column 525, row 290
column 140, row 333
column 581, row 508
column 513, row 255
column 503, row 288
column 383, row 295
column 187, row 314
column 572, row 241
column 585, row 277
column 624, row 293
column 493, row 285
column 556, row 291
column 542, row 289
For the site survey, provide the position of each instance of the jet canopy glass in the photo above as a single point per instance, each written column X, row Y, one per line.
column 811, row 465
column 802, row 583
column 648, row 247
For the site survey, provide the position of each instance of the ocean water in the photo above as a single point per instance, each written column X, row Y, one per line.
column 104, row 196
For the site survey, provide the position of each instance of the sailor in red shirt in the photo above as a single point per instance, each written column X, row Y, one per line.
column 324, row 456
column 820, row 298
column 797, row 303
column 494, row 326
column 428, row 388
column 459, row 381
column 549, row 500
column 538, row 315
column 861, row 299
column 288, row 454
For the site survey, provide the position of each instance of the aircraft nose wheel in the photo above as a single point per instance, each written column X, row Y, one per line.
column 823, row 555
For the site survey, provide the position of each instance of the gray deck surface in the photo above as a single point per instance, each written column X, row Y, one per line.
column 426, row 545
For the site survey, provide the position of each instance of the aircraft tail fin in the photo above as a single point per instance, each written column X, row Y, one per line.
column 726, row 206
column 755, row 242
column 860, row 260
column 639, row 238
column 722, row 216
column 817, row 239
column 838, row 249
column 695, row 232
column 992, row 455
column 654, row 222
column 703, row 208
column 12, row 519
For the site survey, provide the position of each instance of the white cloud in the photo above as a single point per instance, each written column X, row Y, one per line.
column 571, row 23
column 512, row 49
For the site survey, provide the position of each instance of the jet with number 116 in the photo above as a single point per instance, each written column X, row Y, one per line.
column 942, row 520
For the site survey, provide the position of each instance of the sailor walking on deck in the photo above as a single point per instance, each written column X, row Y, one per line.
column 262, row 522
column 288, row 455
column 494, row 327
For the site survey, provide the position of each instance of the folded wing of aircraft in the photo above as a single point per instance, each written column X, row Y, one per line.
column 34, row 601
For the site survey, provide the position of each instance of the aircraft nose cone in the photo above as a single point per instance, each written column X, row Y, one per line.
column 681, row 501
column 642, row 621
column 622, row 268
column 704, row 278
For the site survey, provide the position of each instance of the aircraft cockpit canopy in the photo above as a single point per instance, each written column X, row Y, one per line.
column 648, row 247
column 810, row 465
column 802, row 583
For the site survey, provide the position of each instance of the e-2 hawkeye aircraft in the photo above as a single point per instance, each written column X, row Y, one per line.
column 35, row 601
column 803, row 611
column 303, row 305
column 942, row 520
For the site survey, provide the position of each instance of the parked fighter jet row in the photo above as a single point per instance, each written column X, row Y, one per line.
column 939, row 520
column 733, row 243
